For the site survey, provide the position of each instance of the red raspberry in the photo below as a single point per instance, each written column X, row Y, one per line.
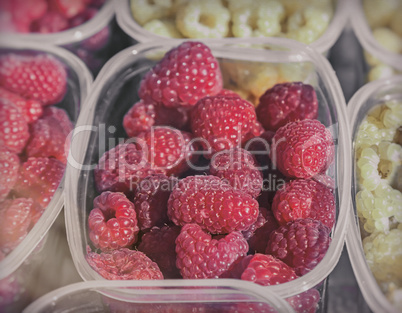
column 239, row 168
column 14, row 131
column 9, row 165
column 301, row 244
column 124, row 264
column 15, row 222
column 39, row 178
column 212, row 204
column 237, row 268
column 49, row 135
column 41, row 77
column 142, row 116
column 51, row 22
column 30, row 109
column 165, row 255
column 112, row 222
column 150, row 201
column 24, row 12
column 224, row 122
column 305, row 302
column 168, row 149
column 84, row 16
column 201, row 256
column 69, row 8
column 121, row 169
column 287, row 102
column 302, row 149
column 185, row 75
column 302, row 198
column 266, row 270
column 258, row 234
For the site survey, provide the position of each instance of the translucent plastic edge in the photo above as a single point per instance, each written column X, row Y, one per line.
column 16, row 257
column 72, row 35
column 134, row 30
column 365, row 36
column 325, row 267
column 279, row 304
column 372, row 293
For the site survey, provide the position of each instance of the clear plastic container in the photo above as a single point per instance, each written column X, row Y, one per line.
column 76, row 39
column 128, row 296
column 380, row 62
column 17, row 263
column 366, row 98
column 115, row 90
column 322, row 44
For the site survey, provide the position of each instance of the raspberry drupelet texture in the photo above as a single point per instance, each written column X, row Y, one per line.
column 49, row 135
column 41, row 77
column 287, row 102
column 167, row 149
column 124, row 264
column 302, row 198
column 159, row 245
column 121, row 169
column 302, row 149
column 39, row 178
column 9, row 166
column 14, row 130
column 142, row 116
column 305, row 302
column 30, row 109
column 112, row 222
column 150, row 200
column 266, row 270
column 185, row 75
column 301, row 244
column 239, row 168
column 224, row 122
column 201, row 256
column 212, row 204
column 237, row 268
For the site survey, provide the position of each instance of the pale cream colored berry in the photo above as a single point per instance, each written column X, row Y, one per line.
column 292, row 6
column 146, row 10
column 396, row 21
column 380, row 71
column 163, row 27
column 392, row 116
column 203, row 19
column 379, row 13
column 388, row 39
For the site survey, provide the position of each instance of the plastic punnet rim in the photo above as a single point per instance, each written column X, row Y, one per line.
column 372, row 293
column 364, row 33
column 72, row 35
column 137, row 32
column 116, row 63
column 16, row 257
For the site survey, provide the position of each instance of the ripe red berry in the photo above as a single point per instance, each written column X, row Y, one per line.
column 287, row 102
column 30, row 109
column 151, row 199
column 237, row 268
column 224, row 122
column 41, row 77
column 112, row 222
column 9, row 166
column 124, row 264
column 185, row 75
column 49, row 135
column 39, row 178
column 69, row 8
column 239, row 168
column 51, row 22
column 201, row 256
column 121, row 169
column 305, row 302
column 212, row 204
column 301, row 244
column 167, row 149
column 302, row 149
column 142, row 116
column 302, row 198
column 14, row 131
column 24, row 12
column 165, row 254
column 266, row 270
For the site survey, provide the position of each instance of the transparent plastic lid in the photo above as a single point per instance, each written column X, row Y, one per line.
column 365, row 36
column 78, row 85
column 367, row 97
column 71, row 35
column 105, row 106
column 323, row 44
